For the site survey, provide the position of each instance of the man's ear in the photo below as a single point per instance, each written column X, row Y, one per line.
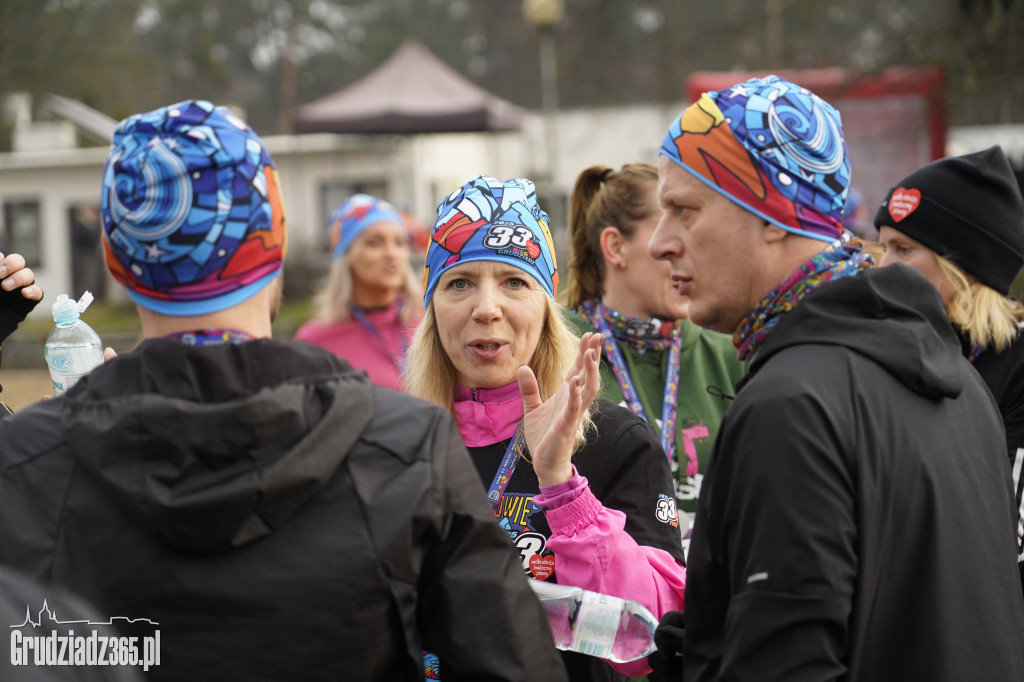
column 772, row 234
column 612, row 243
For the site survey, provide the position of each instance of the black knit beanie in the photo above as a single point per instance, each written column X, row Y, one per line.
column 967, row 208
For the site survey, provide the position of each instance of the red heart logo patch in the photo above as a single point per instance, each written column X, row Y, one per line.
column 903, row 202
column 533, row 248
column 542, row 566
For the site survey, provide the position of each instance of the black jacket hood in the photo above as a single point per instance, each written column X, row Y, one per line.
column 892, row 315
column 217, row 446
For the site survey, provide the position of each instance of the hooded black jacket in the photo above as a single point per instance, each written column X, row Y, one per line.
column 278, row 515
column 857, row 520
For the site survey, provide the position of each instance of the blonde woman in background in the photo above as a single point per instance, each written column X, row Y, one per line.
column 960, row 222
column 369, row 308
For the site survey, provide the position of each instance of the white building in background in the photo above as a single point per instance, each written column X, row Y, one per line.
column 967, row 139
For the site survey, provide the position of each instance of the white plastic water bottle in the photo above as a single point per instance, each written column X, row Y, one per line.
column 73, row 348
column 619, row 630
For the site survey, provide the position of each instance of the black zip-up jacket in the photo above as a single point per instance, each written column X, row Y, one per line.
column 280, row 517
column 857, row 521
column 1003, row 373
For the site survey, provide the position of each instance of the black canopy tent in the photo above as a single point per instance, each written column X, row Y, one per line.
column 412, row 92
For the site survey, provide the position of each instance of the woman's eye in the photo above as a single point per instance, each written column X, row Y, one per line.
column 458, row 284
column 374, row 243
column 516, row 283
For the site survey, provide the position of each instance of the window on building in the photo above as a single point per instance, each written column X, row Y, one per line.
column 21, row 231
column 88, row 273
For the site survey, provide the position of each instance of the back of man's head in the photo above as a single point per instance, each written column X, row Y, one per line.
column 193, row 222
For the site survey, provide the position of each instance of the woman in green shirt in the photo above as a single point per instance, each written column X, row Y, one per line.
column 676, row 375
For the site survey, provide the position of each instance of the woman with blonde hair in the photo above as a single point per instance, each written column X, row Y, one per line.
column 666, row 369
column 960, row 222
column 583, row 491
column 369, row 308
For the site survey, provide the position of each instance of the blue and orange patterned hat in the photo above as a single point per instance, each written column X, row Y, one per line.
column 355, row 214
column 490, row 220
column 771, row 146
column 192, row 216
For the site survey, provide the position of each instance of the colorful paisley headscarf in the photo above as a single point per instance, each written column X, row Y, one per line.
column 771, row 146
column 490, row 220
column 192, row 216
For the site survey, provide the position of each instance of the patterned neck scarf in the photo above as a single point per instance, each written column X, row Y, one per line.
column 838, row 260
column 641, row 333
column 210, row 337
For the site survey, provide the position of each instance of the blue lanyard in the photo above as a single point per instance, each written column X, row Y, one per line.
column 976, row 351
column 621, row 372
column 507, row 467
column 360, row 317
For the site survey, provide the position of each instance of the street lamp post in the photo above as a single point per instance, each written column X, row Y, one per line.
column 544, row 15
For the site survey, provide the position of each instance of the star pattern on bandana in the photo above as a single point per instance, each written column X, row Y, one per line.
column 154, row 251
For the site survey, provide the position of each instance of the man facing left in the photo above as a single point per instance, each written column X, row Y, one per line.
column 279, row 516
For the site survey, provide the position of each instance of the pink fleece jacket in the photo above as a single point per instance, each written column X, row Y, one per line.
column 377, row 355
column 591, row 547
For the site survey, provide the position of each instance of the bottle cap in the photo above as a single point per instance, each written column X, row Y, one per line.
column 65, row 310
column 83, row 301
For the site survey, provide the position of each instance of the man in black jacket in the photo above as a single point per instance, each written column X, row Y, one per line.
column 277, row 515
column 857, row 520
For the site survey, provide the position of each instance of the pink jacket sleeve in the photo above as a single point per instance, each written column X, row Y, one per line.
column 593, row 551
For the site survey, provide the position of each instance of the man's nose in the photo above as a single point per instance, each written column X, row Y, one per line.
column 665, row 243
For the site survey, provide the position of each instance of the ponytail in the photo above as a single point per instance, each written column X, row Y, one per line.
column 602, row 198
column 586, row 264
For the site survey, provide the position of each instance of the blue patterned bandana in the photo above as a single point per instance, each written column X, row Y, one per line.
column 490, row 220
column 192, row 215
column 357, row 213
column 772, row 147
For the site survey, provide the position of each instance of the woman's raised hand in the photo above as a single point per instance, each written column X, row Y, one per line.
column 551, row 425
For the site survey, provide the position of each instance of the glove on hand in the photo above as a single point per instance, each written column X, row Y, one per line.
column 667, row 661
column 13, row 309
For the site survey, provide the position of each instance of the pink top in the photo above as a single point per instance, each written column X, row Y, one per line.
column 487, row 415
column 378, row 349
column 591, row 547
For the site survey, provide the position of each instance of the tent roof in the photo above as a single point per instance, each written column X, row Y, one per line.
column 412, row 92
